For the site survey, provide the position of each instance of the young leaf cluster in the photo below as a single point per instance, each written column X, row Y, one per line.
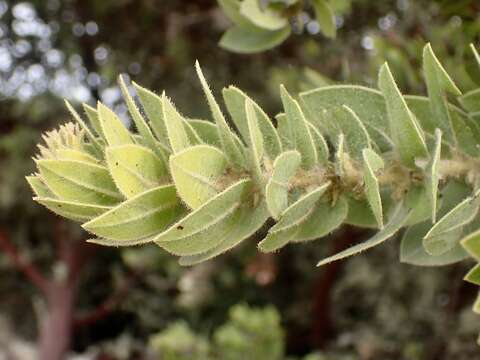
column 262, row 25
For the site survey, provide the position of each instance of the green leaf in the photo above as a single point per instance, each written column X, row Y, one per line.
column 323, row 220
column 255, row 143
column 471, row 100
column 196, row 172
column 231, row 8
column 433, row 175
column 79, row 181
column 276, row 192
column 418, row 200
column 320, row 144
column 472, row 64
column 135, row 169
column 144, row 215
column 368, row 104
column 175, row 126
column 473, row 275
column 412, row 250
column 205, row 240
column 297, row 212
column 112, row 127
column 460, row 215
column 235, row 101
column 439, row 82
column 207, row 131
column 252, row 40
column 264, row 18
column 208, row 214
column 92, row 116
column 325, row 17
column 343, row 120
column 360, row 214
column 38, row 187
column 153, row 106
column 143, row 129
column 371, row 164
column 396, row 221
column 298, row 131
column 471, row 243
column 276, row 240
column 442, row 243
column 405, row 132
column 88, row 132
column 72, row 210
column 248, row 221
column 230, row 146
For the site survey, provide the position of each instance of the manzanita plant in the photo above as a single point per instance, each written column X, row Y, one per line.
column 341, row 154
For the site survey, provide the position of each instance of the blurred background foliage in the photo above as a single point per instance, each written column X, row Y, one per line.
column 369, row 307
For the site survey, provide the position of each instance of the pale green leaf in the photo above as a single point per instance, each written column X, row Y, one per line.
column 323, row 220
column 205, row 240
column 394, row 224
column 197, row 172
column 297, row 212
column 235, row 101
column 88, row 132
column 471, row 100
column 153, row 106
column 343, row 120
column 418, row 200
column 433, row 176
column 144, row 215
column 372, row 162
column 460, row 215
column 405, row 132
column 298, row 130
column 231, row 148
column 276, row 192
column 142, row 127
column 207, row 131
column 79, row 181
column 438, row 82
column 471, row 243
column 277, row 240
column 264, row 18
column 113, row 129
column 368, row 104
column 249, row 220
column 413, row 252
column 252, row 40
column 72, row 210
column 325, row 17
column 321, row 145
column 175, row 126
column 473, row 275
column 135, row 168
column 92, row 116
column 38, row 187
column 255, row 143
column 231, row 8
column 360, row 214
column 208, row 214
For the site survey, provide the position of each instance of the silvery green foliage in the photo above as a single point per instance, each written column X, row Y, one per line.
column 338, row 154
column 259, row 25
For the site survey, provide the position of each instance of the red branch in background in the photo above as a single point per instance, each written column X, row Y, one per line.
column 26, row 267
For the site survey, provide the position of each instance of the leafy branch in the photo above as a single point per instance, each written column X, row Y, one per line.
column 339, row 154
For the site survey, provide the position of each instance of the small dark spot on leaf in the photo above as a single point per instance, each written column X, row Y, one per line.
column 179, row 227
column 116, row 163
